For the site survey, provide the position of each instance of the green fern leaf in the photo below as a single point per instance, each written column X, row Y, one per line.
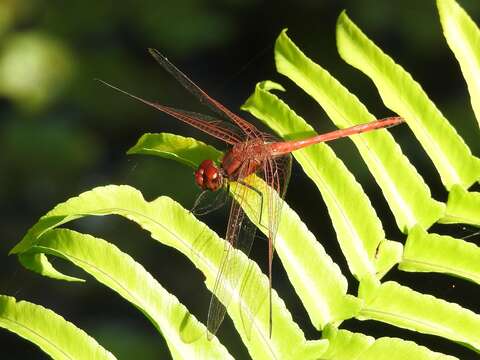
column 447, row 150
column 410, row 201
column 395, row 304
column 57, row 337
column 444, row 254
column 463, row 37
column 173, row 226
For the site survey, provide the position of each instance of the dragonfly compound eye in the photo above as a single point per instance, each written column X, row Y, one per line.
column 208, row 176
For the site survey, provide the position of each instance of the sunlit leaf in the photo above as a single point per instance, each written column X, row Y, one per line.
column 173, row 226
column 359, row 232
column 463, row 37
column 463, row 207
column 389, row 254
column 57, row 337
column 344, row 344
column 426, row 252
column 402, row 94
column 407, row 194
column 184, row 335
column 315, row 277
column 188, row 151
column 398, row 305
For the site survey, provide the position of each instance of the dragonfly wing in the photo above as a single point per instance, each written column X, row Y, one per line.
column 240, row 235
column 217, row 310
column 216, row 128
column 276, row 174
column 207, row 124
column 208, row 201
column 213, row 104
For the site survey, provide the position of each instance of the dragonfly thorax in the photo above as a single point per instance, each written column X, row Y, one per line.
column 208, row 176
column 243, row 159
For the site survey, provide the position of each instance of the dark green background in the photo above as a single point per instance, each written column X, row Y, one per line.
column 62, row 133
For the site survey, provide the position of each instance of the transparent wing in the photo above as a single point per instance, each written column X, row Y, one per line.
column 207, row 124
column 276, row 174
column 209, row 201
column 213, row 104
column 240, row 235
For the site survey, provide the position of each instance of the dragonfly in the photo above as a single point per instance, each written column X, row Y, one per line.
column 250, row 151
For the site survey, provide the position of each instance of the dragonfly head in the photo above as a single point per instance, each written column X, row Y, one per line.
column 208, row 176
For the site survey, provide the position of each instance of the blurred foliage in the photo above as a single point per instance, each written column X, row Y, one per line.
column 51, row 51
column 14, row 12
column 34, row 68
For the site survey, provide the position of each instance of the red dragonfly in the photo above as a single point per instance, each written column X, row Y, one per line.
column 250, row 152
